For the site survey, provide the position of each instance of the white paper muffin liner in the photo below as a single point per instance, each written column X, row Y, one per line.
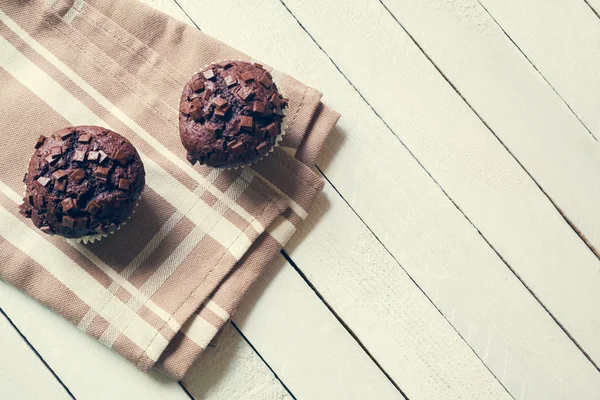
column 283, row 124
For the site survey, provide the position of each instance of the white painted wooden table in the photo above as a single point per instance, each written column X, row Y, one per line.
column 454, row 251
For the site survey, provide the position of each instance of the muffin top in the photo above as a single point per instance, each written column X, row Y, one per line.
column 230, row 114
column 81, row 181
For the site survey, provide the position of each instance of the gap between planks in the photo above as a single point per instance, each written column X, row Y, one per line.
column 573, row 227
column 575, row 342
column 306, row 281
column 595, row 11
column 37, row 354
column 543, row 312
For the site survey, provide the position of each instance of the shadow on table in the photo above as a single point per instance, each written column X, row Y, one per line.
column 220, row 366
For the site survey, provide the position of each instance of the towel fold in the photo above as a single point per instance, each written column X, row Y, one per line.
column 159, row 290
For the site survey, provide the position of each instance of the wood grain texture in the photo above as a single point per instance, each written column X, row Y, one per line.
column 594, row 5
column 425, row 232
column 308, row 365
column 375, row 297
column 22, row 374
column 92, row 371
column 476, row 171
column 303, row 342
column 560, row 37
column 249, row 380
column 89, row 369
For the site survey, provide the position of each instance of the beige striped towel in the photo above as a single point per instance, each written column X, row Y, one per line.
column 159, row 290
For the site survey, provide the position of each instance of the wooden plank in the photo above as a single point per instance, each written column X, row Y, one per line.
column 92, row 371
column 472, row 167
column 22, row 374
column 594, row 5
column 89, row 369
column 303, row 342
column 532, row 120
column 324, row 352
column 432, row 373
column 373, row 295
column 425, row 232
column 248, row 380
column 560, row 38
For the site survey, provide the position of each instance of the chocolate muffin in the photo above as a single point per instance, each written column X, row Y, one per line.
column 230, row 114
column 81, row 181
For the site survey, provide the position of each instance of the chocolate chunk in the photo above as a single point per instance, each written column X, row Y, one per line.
column 47, row 230
column 67, row 221
column 93, row 207
column 39, row 201
column 103, row 156
column 124, row 184
column 40, row 141
column 68, row 204
column 93, row 156
column 209, row 74
column 61, row 185
column 273, row 129
column 237, row 147
column 261, row 148
column 230, row 81
column 196, row 103
column 246, row 122
column 221, row 111
column 81, row 222
column 196, row 110
column 197, row 85
column 245, row 93
column 102, row 173
column 191, row 159
column 60, row 174
column 112, row 228
column 29, row 198
column 55, row 151
column 259, row 132
column 258, row 107
column 24, row 210
column 207, row 94
column 65, row 133
column 185, row 107
column 265, row 81
column 85, row 138
column 50, row 159
column 275, row 100
column 44, row 181
column 258, row 65
column 220, row 102
column 79, row 155
column 247, row 76
column 277, row 111
column 120, row 156
column 35, row 218
column 77, row 175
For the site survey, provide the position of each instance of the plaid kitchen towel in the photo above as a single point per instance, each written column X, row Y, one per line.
column 158, row 290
